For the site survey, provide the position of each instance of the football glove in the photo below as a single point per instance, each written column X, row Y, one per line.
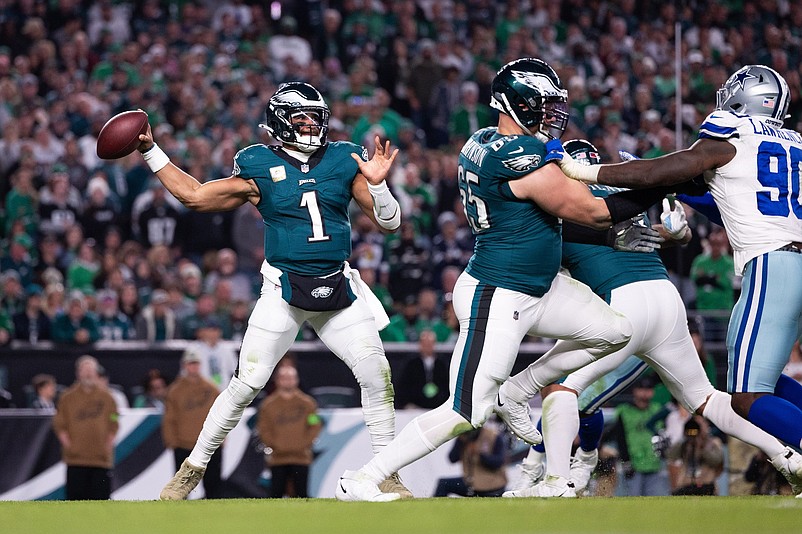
column 673, row 218
column 571, row 167
column 630, row 236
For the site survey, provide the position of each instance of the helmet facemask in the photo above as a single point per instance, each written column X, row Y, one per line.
column 297, row 116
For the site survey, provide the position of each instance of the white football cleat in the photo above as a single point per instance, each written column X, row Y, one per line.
column 531, row 474
column 582, row 465
column 516, row 416
column 551, row 486
column 356, row 486
column 789, row 463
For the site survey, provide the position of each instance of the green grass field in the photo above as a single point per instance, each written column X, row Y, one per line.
column 436, row 516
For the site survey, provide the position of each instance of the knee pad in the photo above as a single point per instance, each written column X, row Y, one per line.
column 241, row 392
column 372, row 372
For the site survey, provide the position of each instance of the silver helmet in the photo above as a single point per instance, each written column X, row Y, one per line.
column 756, row 90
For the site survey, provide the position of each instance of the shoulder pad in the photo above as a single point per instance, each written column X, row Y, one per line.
column 348, row 147
column 519, row 153
column 247, row 161
column 721, row 125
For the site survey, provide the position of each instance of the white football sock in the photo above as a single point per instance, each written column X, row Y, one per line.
column 418, row 438
column 560, row 422
column 223, row 416
column 719, row 412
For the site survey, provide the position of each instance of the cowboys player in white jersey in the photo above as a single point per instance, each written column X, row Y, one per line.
column 751, row 165
column 637, row 285
column 510, row 288
column 302, row 189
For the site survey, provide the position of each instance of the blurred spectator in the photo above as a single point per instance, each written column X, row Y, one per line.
column 156, row 321
column 100, row 212
column 116, row 390
column 712, row 273
column 218, row 360
column 129, row 302
column 12, row 294
column 49, row 254
column 86, row 424
column 699, row 458
column 408, row 258
column 45, row 389
column 402, row 325
column 379, row 119
column 238, row 319
column 765, row 479
column 483, row 453
column 83, row 269
column 154, row 391
column 32, row 324
column 112, row 323
column 60, row 204
column 6, row 328
column 424, row 379
column 22, row 202
column 288, row 425
column 154, row 217
column 247, row 229
column 470, row 115
column 205, row 310
column 226, row 268
column 191, row 280
column 287, row 46
column 188, row 401
column 643, row 469
column 76, row 325
column 452, row 246
column 19, row 258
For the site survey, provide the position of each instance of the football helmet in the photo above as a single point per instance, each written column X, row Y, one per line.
column 298, row 116
column 529, row 91
column 756, row 90
column 582, row 151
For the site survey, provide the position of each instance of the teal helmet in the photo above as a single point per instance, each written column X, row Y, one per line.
column 529, row 91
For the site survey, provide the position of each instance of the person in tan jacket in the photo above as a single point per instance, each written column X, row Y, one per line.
column 86, row 424
column 288, row 424
column 483, row 453
column 188, row 400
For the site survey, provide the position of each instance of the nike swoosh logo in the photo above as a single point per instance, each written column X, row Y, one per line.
column 517, row 150
column 498, row 399
column 341, row 486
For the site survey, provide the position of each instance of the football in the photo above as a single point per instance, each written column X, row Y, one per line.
column 120, row 135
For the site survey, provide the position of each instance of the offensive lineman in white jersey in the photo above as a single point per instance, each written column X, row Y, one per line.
column 752, row 166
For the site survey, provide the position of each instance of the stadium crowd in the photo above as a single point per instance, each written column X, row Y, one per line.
column 89, row 244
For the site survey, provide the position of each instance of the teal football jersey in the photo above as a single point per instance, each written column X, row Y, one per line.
column 518, row 245
column 304, row 205
column 604, row 268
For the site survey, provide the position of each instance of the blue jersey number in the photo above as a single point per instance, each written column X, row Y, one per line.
column 475, row 208
column 773, row 171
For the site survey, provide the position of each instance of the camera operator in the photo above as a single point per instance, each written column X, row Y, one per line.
column 698, row 460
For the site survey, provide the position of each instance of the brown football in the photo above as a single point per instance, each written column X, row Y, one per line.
column 120, row 135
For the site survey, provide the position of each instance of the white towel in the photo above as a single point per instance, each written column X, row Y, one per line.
column 363, row 291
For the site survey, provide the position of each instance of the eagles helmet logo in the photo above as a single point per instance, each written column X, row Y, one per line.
column 539, row 82
column 522, row 163
column 322, row 292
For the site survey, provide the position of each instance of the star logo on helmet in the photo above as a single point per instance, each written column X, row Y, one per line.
column 741, row 77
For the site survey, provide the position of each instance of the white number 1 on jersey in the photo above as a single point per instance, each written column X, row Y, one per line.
column 309, row 201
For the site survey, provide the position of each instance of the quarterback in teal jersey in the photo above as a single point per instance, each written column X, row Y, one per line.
column 514, row 200
column 637, row 285
column 302, row 188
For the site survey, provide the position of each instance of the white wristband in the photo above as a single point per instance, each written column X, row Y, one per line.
column 385, row 206
column 155, row 158
column 579, row 171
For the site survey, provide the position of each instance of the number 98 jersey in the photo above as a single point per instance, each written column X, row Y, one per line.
column 304, row 205
column 518, row 245
column 758, row 191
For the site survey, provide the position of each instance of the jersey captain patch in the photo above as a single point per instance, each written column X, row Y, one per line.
column 522, row 163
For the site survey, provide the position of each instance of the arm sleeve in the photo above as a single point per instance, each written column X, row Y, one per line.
column 577, row 233
column 628, row 204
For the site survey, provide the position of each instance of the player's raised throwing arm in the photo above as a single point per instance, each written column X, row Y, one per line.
column 216, row 195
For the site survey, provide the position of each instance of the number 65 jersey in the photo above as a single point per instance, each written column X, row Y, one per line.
column 518, row 245
column 758, row 192
column 304, row 205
